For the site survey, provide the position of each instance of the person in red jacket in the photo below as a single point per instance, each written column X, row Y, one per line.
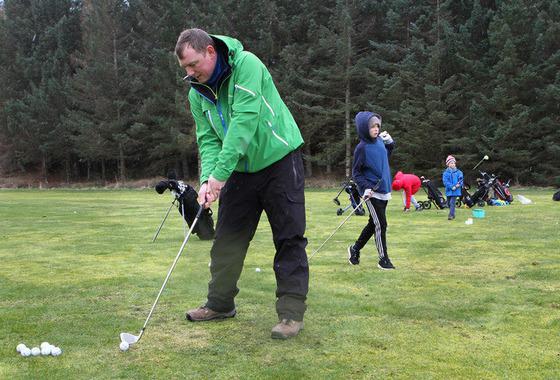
column 409, row 184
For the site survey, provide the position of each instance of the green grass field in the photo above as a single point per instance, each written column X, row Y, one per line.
column 474, row 301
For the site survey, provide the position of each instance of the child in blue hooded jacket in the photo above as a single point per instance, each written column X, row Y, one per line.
column 372, row 174
column 453, row 182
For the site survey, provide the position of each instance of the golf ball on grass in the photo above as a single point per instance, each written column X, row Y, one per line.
column 124, row 346
column 45, row 349
column 257, row 269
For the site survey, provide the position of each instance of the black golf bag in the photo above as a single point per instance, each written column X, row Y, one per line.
column 186, row 196
column 489, row 182
column 480, row 196
column 351, row 189
column 466, row 197
column 556, row 196
column 434, row 195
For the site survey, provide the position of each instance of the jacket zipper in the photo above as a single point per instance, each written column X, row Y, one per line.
column 270, row 124
column 268, row 105
column 209, row 114
column 244, row 89
column 219, row 109
column 276, row 135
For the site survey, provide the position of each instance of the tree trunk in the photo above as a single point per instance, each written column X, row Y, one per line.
column 67, row 169
column 103, row 170
column 185, row 167
column 438, row 51
column 122, row 164
column 347, row 102
column 44, row 167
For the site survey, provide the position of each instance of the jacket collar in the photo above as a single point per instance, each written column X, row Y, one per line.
column 226, row 55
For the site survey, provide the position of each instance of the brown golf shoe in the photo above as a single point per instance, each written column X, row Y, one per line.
column 204, row 313
column 286, row 328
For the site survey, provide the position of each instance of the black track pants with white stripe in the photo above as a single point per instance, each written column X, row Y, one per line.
column 377, row 226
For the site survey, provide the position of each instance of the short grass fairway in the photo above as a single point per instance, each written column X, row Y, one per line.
column 476, row 301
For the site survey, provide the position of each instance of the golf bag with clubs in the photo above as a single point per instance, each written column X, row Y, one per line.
column 186, row 197
column 478, row 198
column 501, row 190
column 486, row 183
column 351, row 189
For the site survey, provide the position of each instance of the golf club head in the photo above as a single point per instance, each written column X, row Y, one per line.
column 486, row 157
column 129, row 338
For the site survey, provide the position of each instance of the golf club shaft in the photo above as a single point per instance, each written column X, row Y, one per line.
column 184, row 219
column 172, row 267
column 480, row 162
column 164, row 219
column 334, row 232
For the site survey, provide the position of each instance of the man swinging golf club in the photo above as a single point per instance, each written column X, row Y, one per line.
column 250, row 158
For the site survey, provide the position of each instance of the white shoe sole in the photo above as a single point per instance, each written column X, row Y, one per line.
column 380, row 267
column 349, row 256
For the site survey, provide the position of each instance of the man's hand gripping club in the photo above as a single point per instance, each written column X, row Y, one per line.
column 210, row 191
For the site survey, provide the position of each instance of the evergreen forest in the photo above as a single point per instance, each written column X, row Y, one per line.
column 91, row 90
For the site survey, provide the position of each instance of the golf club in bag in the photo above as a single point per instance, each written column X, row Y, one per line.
column 485, row 158
column 489, row 182
column 185, row 197
column 131, row 339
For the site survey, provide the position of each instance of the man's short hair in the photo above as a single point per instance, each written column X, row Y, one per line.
column 197, row 39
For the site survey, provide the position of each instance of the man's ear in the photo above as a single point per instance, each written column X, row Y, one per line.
column 211, row 50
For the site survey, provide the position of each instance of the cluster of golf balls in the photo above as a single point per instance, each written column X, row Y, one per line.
column 45, row 349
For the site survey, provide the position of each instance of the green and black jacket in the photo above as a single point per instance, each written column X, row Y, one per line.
column 244, row 125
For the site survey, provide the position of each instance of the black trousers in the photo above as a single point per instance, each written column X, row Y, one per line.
column 377, row 225
column 278, row 190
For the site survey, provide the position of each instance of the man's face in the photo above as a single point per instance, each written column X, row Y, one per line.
column 374, row 131
column 198, row 65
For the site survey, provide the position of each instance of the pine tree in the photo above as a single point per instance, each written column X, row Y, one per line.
column 106, row 89
column 39, row 47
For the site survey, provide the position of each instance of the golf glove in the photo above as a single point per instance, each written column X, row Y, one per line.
column 386, row 137
column 453, row 188
column 368, row 193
